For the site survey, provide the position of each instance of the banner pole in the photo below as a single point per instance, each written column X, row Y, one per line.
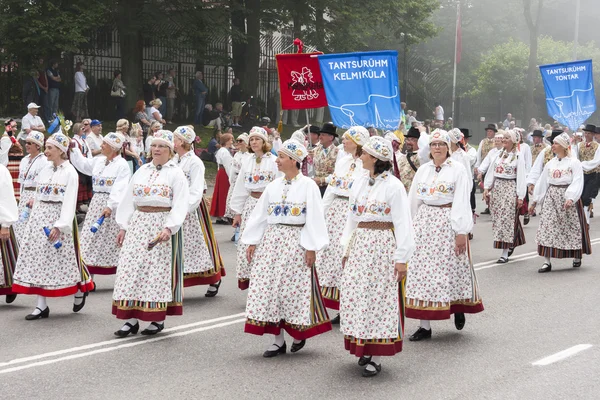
column 306, row 115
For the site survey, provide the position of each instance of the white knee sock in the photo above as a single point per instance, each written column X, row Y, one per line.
column 78, row 298
column 376, row 360
column 425, row 324
column 131, row 321
column 587, row 214
column 279, row 341
column 41, row 304
column 505, row 253
column 547, row 259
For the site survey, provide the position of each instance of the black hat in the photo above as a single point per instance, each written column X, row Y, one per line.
column 492, row 127
column 314, row 129
column 465, row 132
column 589, row 128
column 329, row 128
column 554, row 134
column 538, row 133
column 598, row 129
column 413, row 133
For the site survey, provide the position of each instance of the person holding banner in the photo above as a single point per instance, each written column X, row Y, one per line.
column 504, row 189
column 325, row 155
column 336, row 204
column 257, row 171
column 563, row 230
column 589, row 155
column 378, row 239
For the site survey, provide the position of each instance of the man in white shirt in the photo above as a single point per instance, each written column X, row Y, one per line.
column 31, row 122
column 93, row 136
column 79, row 107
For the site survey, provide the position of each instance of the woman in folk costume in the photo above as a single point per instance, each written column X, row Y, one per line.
column 49, row 263
column 29, row 169
column 242, row 153
column 336, row 206
column 219, row 200
column 149, row 282
column 441, row 280
column 563, row 230
column 283, row 233
column 8, row 241
column 379, row 239
column 256, row 173
column 198, row 265
column 110, row 176
column 504, row 189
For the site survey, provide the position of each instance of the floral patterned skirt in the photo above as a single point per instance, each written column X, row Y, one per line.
column 371, row 300
column 506, row 226
column 20, row 226
column 562, row 233
column 149, row 283
column 284, row 292
column 329, row 260
column 41, row 268
column 243, row 267
column 439, row 283
column 99, row 250
column 228, row 211
column 10, row 253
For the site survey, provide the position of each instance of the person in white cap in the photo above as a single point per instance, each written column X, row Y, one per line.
column 504, row 189
column 441, row 279
column 49, row 264
column 8, row 242
column 31, row 165
column 283, row 233
column 149, row 281
column 199, row 267
column 31, row 122
column 336, row 204
column 256, row 173
column 375, row 260
column 563, row 231
column 110, row 177
column 239, row 158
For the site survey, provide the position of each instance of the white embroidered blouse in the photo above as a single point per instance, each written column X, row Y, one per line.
column 193, row 169
column 29, row 169
column 59, row 184
column 253, row 177
column 507, row 165
column 8, row 205
column 559, row 172
column 236, row 165
column 346, row 171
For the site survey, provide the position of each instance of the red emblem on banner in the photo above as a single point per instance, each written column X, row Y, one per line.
column 300, row 82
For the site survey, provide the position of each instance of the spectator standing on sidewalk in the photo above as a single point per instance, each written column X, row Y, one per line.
column 43, row 84
column 161, row 92
column 171, row 94
column 117, row 92
column 200, row 92
column 235, row 95
column 79, row 108
column 148, row 90
column 54, row 81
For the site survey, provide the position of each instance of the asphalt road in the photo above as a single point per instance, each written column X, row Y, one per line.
column 528, row 317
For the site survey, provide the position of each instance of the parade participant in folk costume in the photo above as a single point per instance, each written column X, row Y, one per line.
column 300, row 137
column 199, row 267
column 525, row 151
column 543, row 157
column 283, row 233
column 8, row 242
column 504, row 189
column 29, row 169
column 335, row 202
column 149, row 282
column 472, row 156
column 312, row 143
column 563, row 230
column 50, row 265
column 241, row 145
column 485, row 146
column 223, row 158
column 538, row 144
column 409, row 162
column 84, row 192
column 325, row 155
column 110, row 177
column 257, row 171
column 589, row 155
column 379, row 240
column 441, row 280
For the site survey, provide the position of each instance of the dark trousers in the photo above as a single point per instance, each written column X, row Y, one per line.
column 590, row 188
column 473, row 203
column 322, row 189
column 120, row 106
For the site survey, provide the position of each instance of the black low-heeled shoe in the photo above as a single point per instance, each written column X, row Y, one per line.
column 545, row 268
column 297, row 346
column 133, row 329
column 159, row 328
column 576, row 264
column 44, row 314
column 502, row 260
column 362, row 361
column 420, row 334
column 459, row 320
column 336, row 320
column 526, row 218
column 78, row 307
column 511, row 250
column 274, row 353
column 367, row 373
column 10, row 298
column 213, row 293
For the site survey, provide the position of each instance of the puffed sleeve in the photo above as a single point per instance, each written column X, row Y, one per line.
column 472, row 154
column 197, row 185
column 119, row 188
column 541, row 186
column 83, row 164
column 240, row 193
column 314, row 235
column 461, row 215
column 485, row 164
column 8, row 205
column 478, row 160
column 126, row 207
column 424, row 149
column 180, row 202
column 227, row 161
column 536, row 169
column 257, row 223
column 594, row 163
column 576, row 187
column 403, row 227
column 67, row 211
column 521, row 177
column 413, row 198
column 490, row 176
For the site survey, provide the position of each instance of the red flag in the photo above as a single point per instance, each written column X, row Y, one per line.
column 300, row 81
column 458, row 35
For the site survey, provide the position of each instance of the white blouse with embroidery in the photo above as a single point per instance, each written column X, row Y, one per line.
column 385, row 201
column 29, row 169
column 346, row 171
column 295, row 202
column 236, row 165
column 559, row 172
column 223, row 158
column 151, row 187
column 253, row 177
column 193, row 168
column 450, row 185
column 110, row 178
column 59, row 184
column 8, row 205
column 508, row 166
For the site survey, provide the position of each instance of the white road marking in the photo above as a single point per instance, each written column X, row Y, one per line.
column 561, row 355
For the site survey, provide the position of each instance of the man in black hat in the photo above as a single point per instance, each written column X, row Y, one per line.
column 325, row 155
column 408, row 161
column 589, row 155
column 538, row 143
column 484, row 148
